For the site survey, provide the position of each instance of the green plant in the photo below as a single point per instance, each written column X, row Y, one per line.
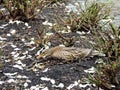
column 106, row 76
column 87, row 19
column 21, row 9
column 108, row 42
column 26, row 9
column 91, row 16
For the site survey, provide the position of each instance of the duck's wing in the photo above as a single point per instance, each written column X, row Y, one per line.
column 79, row 52
column 63, row 54
column 71, row 53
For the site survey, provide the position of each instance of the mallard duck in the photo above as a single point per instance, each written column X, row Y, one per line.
column 67, row 53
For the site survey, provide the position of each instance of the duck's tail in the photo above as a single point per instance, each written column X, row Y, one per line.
column 97, row 53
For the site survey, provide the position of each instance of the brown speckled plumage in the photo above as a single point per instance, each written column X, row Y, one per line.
column 67, row 53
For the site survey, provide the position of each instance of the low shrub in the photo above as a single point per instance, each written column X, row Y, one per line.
column 107, row 74
column 21, row 9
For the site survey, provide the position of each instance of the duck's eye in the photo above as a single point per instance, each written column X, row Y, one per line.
column 44, row 53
